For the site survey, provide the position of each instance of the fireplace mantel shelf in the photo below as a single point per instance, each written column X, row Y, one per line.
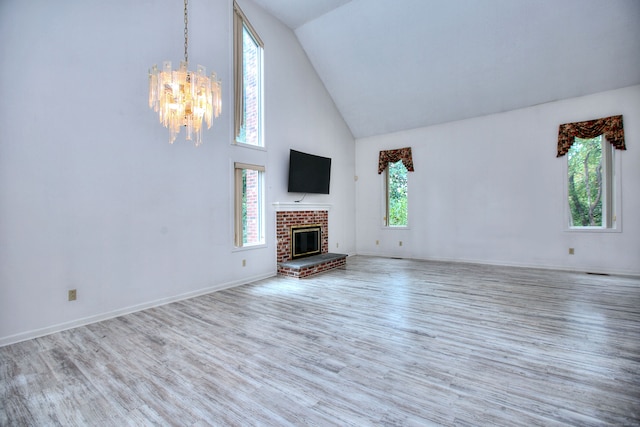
column 296, row 206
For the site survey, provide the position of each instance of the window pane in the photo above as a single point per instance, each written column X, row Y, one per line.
column 586, row 178
column 251, row 207
column 397, row 195
column 250, row 128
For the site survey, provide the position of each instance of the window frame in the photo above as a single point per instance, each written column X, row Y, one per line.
column 386, row 204
column 612, row 193
column 238, row 229
column 240, row 24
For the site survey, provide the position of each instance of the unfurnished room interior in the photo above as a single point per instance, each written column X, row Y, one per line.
column 336, row 212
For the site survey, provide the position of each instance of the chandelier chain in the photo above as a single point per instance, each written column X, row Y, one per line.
column 186, row 32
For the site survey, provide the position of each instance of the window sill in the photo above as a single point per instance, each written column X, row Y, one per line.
column 593, row 230
column 250, row 146
column 249, row 247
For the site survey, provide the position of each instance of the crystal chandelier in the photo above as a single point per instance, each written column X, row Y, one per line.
column 182, row 97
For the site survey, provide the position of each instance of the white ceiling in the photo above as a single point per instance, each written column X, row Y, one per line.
column 392, row 65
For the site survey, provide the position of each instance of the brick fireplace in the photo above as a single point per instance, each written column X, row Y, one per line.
column 287, row 219
column 299, row 215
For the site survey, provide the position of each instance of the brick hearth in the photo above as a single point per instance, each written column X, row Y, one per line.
column 308, row 266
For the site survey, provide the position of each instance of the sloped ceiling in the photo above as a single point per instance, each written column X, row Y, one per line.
column 392, row 65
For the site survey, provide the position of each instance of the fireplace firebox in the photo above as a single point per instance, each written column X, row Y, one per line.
column 305, row 240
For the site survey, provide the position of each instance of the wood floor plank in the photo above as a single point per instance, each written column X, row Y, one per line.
column 382, row 342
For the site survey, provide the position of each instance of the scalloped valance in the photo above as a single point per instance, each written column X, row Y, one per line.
column 392, row 156
column 610, row 127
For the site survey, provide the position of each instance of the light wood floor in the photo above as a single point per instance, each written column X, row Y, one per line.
column 382, row 342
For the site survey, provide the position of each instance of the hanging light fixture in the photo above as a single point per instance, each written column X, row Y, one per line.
column 182, row 97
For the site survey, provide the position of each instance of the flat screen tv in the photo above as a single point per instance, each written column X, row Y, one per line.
column 308, row 173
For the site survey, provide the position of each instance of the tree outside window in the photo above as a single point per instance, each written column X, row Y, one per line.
column 397, row 192
column 590, row 183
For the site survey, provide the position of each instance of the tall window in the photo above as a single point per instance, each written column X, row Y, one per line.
column 591, row 183
column 395, row 164
column 249, row 205
column 396, row 192
column 592, row 172
column 248, row 49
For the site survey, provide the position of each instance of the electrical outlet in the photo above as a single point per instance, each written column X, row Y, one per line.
column 244, row 262
column 337, row 245
column 72, row 294
column 377, row 242
column 400, row 243
column 571, row 251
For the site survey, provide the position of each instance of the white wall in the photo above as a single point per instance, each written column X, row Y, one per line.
column 93, row 197
column 301, row 115
column 490, row 190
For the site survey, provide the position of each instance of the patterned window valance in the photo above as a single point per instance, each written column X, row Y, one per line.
column 392, row 156
column 610, row 127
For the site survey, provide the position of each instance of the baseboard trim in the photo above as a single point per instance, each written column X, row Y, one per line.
column 36, row 333
column 595, row 270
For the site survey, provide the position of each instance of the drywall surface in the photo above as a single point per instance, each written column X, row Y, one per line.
column 92, row 195
column 491, row 190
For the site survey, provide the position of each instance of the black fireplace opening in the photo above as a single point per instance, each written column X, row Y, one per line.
column 305, row 241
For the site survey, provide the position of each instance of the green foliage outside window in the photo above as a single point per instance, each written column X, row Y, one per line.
column 397, row 193
column 585, row 173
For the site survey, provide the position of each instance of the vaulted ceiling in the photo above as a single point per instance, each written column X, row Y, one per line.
column 392, row 65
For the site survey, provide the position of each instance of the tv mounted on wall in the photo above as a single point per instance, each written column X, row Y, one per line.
column 308, row 173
